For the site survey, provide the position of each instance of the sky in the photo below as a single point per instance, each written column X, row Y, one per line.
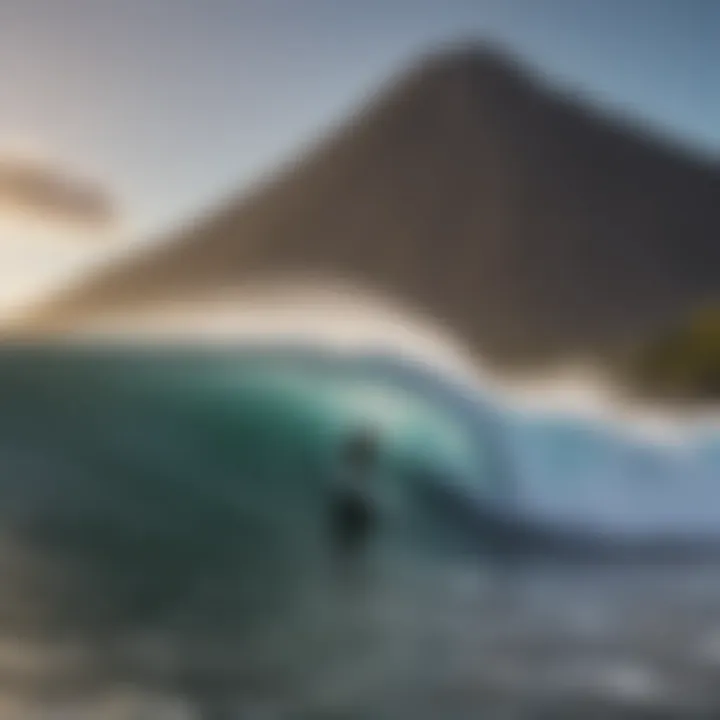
column 171, row 105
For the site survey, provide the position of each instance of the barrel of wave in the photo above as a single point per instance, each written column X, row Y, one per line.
column 177, row 466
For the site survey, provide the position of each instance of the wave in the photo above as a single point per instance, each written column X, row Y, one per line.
column 162, row 511
column 204, row 417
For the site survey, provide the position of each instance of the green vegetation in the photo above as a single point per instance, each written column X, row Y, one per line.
column 685, row 362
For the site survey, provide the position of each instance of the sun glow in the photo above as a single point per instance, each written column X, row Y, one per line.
column 37, row 254
column 54, row 222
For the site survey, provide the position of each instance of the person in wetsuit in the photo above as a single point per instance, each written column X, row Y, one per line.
column 353, row 514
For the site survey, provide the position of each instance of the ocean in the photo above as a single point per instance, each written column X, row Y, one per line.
column 164, row 548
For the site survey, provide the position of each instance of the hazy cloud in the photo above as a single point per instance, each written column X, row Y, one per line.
column 50, row 193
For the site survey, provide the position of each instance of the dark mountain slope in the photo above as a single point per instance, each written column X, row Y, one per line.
column 525, row 222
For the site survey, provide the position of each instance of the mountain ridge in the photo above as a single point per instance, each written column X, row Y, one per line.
column 465, row 181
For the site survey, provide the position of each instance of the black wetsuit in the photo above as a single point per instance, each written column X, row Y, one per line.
column 352, row 520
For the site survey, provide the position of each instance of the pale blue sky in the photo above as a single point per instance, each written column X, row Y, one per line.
column 176, row 102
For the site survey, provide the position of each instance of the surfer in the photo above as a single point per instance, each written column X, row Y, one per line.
column 352, row 510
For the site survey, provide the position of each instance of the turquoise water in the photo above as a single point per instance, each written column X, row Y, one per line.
column 163, row 535
column 144, row 471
